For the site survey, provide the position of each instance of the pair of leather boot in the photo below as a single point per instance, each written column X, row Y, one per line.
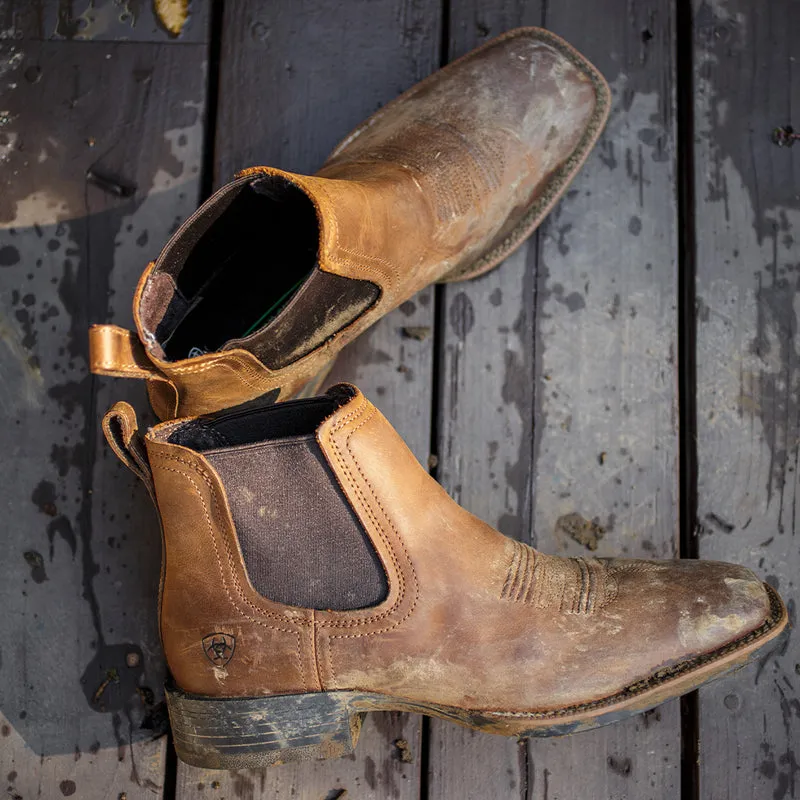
column 313, row 570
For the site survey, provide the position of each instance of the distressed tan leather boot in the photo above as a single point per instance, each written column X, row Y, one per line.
column 314, row 571
column 259, row 290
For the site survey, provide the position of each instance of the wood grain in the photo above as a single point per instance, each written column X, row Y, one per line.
column 747, row 82
column 294, row 79
column 81, row 666
column 564, row 361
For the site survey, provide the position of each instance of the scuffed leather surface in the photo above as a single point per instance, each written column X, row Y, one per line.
column 440, row 184
column 472, row 619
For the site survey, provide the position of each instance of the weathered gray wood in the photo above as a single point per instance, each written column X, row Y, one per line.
column 559, row 385
column 81, row 668
column 747, row 82
column 485, row 442
column 105, row 20
column 295, row 78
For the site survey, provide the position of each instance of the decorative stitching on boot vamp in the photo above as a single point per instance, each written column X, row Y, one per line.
column 569, row 585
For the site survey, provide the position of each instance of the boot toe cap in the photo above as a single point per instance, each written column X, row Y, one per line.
column 689, row 609
column 725, row 604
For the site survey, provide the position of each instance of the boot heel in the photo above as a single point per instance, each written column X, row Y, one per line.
column 252, row 732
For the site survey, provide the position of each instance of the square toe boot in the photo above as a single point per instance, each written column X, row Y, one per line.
column 258, row 291
column 314, row 572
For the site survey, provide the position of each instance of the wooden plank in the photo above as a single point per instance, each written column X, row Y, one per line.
column 563, row 361
column 316, row 73
column 105, row 20
column 485, row 433
column 81, row 668
column 747, row 82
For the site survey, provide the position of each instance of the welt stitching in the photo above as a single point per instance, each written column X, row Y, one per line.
column 219, row 563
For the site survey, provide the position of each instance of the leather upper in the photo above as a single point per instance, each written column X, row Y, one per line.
column 440, row 184
column 472, row 618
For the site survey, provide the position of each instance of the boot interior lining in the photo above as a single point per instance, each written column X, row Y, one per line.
column 241, row 270
column 244, row 274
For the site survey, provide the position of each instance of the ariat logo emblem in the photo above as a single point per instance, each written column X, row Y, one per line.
column 219, row 648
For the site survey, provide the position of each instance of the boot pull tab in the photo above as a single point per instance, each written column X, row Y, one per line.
column 118, row 352
column 121, row 430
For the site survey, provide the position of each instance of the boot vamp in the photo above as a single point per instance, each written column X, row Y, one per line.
column 481, row 138
column 551, row 633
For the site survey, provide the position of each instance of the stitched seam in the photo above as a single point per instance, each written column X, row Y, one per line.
column 314, row 653
column 122, row 368
column 360, row 254
column 219, row 564
column 389, row 546
column 505, row 591
column 329, row 649
column 238, row 586
column 387, row 277
column 192, row 369
column 531, row 575
column 372, row 516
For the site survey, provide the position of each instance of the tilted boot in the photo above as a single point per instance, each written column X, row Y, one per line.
column 258, row 291
column 314, row 571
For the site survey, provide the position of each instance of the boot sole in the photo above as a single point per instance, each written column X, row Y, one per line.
column 559, row 180
column 253, row 732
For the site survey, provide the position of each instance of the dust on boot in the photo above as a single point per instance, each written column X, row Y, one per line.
column 314, row 572
column 258, row 291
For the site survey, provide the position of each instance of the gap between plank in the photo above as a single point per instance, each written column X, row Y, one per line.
column 686, row 363
column 208, row 174
column 436, row 395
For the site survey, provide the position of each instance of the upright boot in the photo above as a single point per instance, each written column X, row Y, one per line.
column 258, row 291
column 314, row 571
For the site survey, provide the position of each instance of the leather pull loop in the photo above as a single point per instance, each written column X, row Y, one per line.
column 121, row 430
column 118, row 352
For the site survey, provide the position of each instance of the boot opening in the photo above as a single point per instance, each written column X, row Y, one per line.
column 302, row 543
column 240, row 270
column 243, row 273
column 259, row 421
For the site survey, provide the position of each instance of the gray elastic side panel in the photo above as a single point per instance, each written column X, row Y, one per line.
column 302, row 543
